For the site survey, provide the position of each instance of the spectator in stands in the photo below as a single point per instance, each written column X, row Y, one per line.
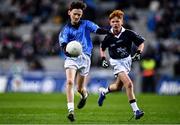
column 148, row 65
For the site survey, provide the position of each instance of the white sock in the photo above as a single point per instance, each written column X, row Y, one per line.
column 86, row 95
column 70, row 106
column 134, row 106
column 106, row 91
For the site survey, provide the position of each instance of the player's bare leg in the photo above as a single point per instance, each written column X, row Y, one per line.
column 70, row 77
column 116, row 86
column 127, row 84
column 130, row 93
column 81, row 88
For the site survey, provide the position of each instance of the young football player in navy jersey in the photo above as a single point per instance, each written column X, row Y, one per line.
column 119, row 47
column 77, row 67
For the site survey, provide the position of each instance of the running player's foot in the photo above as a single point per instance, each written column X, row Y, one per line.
column 138, row 114
column 71, row 116
column 102, row 96
column 82, row 101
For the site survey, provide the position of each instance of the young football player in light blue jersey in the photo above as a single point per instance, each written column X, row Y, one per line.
column 77, row 67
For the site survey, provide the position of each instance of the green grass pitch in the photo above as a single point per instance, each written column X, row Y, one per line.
column 34, row 108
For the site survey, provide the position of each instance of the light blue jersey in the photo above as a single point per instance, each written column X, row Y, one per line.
column 81, row 34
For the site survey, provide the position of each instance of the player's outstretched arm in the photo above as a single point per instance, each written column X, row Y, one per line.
column 102, row 31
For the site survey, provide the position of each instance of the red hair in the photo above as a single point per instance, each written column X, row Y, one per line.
column 116, row 13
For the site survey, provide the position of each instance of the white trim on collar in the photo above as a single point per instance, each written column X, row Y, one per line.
column 122, row 30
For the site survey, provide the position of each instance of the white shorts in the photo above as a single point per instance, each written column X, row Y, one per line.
column 81, row 63
column 121, row 65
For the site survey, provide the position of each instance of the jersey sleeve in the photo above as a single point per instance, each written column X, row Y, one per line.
column 63, row 36
column 91, row 26
column 104, row 43
column 136, row 38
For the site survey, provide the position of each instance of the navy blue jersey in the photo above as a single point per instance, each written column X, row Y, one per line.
column 121, row 47
column 80, row 33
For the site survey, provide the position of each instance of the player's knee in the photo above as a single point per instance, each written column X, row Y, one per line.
column 129, row 85
column 70, row 82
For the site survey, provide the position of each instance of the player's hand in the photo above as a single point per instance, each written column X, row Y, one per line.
column 67, row 54
column 104, row 62
column 64, row 49
column 136, row 56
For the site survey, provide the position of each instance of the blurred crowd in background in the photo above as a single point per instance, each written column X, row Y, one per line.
column 29, row 32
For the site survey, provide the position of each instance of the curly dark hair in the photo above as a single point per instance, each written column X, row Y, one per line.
column 77, row 5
